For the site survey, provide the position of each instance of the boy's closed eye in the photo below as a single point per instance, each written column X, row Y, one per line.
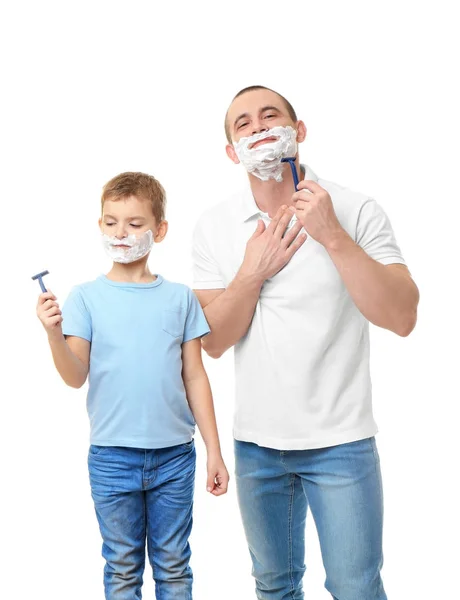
column 131, row 225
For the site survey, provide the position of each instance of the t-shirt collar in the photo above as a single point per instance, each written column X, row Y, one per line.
column 129, row 284
column 249, row 207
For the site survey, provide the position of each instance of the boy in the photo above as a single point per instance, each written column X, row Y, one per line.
column 138, row 336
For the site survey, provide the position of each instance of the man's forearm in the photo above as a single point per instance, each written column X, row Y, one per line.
column 69, row 367
column 387, row 298
column 230, row 314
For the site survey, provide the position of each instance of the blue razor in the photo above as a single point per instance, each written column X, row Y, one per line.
column 291, row 161
column 40, row 276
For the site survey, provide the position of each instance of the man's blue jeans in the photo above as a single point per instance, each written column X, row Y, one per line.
column 342, row 485
column 144, row 497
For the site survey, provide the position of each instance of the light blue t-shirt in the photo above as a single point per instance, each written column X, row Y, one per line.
column 136, row 394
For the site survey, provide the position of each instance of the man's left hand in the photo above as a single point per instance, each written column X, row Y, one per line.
column 314, row 209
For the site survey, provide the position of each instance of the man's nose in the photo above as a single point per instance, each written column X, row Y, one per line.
column 258, row 127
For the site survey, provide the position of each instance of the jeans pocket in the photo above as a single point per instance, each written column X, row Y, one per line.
column 172, row 323
column 374, row 449
column 97, row 450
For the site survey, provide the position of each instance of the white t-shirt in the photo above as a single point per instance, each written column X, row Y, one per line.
column 302, row 369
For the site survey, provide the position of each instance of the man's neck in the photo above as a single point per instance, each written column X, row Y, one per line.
column 270, row 195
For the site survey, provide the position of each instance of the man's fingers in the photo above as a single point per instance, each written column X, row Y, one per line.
column 296, row 244
column 283, row 223
column 274, row 222
column 300, row 197
column 292, row 233
column 259, row 229
column 312, row 186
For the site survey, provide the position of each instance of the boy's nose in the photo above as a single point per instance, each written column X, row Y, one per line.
column 121, row 233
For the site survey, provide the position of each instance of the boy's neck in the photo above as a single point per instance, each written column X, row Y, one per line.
column 271, row 195
column 136, row 272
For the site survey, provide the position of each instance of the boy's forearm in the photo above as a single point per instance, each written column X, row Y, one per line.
column 200, row 400
column 69, row 367
column 230, row 314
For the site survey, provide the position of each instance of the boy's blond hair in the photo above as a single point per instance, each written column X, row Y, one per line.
column 140, row 185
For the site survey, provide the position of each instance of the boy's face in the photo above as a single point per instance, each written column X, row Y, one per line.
column 128, row 216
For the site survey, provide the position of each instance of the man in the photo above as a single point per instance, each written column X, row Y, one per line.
column 292, row 279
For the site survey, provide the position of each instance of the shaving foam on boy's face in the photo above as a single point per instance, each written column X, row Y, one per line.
column 264, row 159
column 129, row 248
column 127, row 228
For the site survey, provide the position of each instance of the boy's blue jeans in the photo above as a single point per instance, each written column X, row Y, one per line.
column 144, row 497
column 342, row 485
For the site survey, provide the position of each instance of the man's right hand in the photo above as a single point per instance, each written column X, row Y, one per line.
column 267, row 251
column 50, row 315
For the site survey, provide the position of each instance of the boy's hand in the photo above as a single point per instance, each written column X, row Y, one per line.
column 217, row 483
column 50, row 315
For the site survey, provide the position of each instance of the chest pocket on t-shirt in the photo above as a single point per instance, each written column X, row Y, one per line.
column 172, row 322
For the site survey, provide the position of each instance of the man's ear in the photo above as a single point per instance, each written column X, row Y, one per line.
column 232, row 154
column 301, row 132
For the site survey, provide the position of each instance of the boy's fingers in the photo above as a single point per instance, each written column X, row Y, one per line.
column 54, row 320
column 210, row 484
column 221, row 488
column 49, row 304
column 46, row 296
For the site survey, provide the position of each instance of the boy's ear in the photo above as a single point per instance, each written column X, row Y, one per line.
column 162, row 230
column 99, row 222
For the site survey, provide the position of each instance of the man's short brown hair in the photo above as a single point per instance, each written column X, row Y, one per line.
column 140, row 185
column 253, row 88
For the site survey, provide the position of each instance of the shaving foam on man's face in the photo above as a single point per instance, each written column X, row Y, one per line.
column 264, row 159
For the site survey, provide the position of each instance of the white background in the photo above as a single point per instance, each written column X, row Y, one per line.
column 91, row 89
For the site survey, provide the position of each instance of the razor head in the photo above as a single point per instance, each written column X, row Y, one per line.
column 39, row 275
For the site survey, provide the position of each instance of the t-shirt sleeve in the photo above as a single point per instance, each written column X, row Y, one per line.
column 206, row 273
column 195, row 322
column 375, row 235
column 76, row 317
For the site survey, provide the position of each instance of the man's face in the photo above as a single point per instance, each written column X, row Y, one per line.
column 128, row 216
column 258, row 111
